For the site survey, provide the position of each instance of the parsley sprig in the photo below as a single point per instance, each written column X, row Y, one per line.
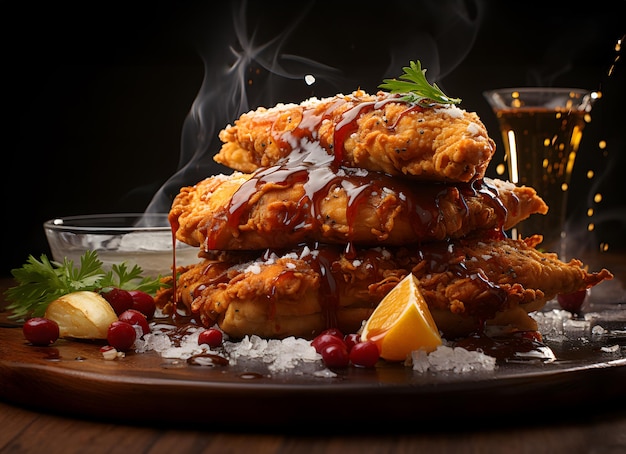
column 416, row 89
column 39, row 282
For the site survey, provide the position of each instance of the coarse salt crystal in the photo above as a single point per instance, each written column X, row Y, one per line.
column 279, row 355
column 325, row 373
column 451, row 110
column 473, row 128
column 109, row 354
column 610, row 349
column 360, row 172
column 253, row 268
column 598, row 330
column 452, row 359
column 305, row 252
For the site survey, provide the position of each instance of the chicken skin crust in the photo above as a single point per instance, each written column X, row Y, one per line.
column 281, row 208
column 303, row 291
column 374, row 132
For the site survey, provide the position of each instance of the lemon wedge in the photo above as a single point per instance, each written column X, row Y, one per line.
column 402, row 323
column 82, row 315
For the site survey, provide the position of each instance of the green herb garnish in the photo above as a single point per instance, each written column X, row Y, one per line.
column 416, row 88
column 39, row 282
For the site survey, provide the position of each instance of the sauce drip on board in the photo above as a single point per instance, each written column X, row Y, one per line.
column 519, row 347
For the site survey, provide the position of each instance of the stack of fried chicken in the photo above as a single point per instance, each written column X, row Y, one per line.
column 333, row 201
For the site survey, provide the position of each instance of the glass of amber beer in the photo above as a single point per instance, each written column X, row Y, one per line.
column 541, row 129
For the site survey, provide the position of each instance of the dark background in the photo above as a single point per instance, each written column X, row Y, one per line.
column 99, row 99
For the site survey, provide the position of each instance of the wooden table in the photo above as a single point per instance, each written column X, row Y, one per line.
column 588, row 428
column 25, row 431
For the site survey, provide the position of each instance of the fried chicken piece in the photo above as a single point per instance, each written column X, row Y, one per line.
column 304, row 291
column 375, row 132
column 281, row 207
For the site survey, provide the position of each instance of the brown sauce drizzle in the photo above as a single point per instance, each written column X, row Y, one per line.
column 174, row 224
column 348, row 124
column 311, row 120
column 328, row 294
column 420, row 201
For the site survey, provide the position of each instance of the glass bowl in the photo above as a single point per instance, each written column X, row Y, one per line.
column 136, row 238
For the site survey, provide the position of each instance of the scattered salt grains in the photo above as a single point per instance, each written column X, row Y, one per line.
column 360, row 172
column 255, row 266
column 551, row 323
column 278, row 355
column 576, row 329
column 159, row 341
column 559, row 325
column 451, row 359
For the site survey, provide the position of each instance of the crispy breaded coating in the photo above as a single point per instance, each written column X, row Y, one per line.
column 282, row 208
column 374, row 132
column 304, row 291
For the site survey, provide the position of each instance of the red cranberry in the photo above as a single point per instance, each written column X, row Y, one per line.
column 351, row 340
column 119, row 299
column 364, row 354
column 212, row 337
column 143, row 302
column 572, row 302
column 323, row 340
column 41, row 331
column 121, row 335
column 134, row 317
column 335, row 355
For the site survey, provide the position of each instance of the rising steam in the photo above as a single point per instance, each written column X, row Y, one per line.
column 261, row 58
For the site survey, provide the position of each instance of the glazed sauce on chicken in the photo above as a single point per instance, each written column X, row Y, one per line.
column 420, row 202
